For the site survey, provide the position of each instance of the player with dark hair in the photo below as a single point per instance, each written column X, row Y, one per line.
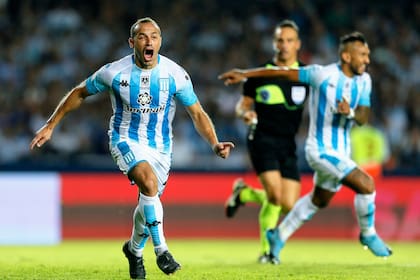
column 144, row 87
column 340, row 97
column 272, row 107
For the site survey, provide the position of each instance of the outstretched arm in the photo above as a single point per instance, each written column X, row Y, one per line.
column 70, row 101
column 235, row 76
column 205, row 128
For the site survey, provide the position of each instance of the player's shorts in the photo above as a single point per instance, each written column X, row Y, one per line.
column 127, row 154
column 274, row 153
column 330, row 167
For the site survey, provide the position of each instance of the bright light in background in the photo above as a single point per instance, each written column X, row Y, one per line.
column 30, row 208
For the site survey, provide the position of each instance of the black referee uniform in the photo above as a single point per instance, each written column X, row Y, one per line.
column 279, row 105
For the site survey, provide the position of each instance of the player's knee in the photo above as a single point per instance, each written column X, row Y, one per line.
column 368, row 185
column 149, row 187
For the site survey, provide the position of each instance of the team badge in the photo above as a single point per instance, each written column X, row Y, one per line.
column 145, row 81
column 298, row 94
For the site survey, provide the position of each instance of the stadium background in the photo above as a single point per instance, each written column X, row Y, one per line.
column 49, row 46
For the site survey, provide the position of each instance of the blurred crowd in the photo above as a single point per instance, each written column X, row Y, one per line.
column 48, row 46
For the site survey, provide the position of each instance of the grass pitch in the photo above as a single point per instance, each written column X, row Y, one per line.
column 212, row 260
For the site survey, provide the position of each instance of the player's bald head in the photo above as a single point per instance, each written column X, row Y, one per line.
column 136, row 26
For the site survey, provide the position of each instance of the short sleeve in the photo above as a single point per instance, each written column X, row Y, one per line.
column 366, row 91
column 185, row 91
column 96, row 82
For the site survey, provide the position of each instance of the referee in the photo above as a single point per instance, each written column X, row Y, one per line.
column 272, row 108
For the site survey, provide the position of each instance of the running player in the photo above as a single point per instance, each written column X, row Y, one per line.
column 340, row 97
column 143, row 88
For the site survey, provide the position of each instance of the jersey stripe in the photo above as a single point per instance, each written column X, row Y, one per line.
column 118, row 110
column 134, row 89
column 322, row 104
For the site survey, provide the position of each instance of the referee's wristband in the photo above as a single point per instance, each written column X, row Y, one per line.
column 351, row 114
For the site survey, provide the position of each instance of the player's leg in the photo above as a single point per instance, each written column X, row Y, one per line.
column 290, row 194
column 241, row 194
column 139, row 237
column 148, row 169
column 252, row 194
column 150, row 208
column 326, row 185
column 364, row 203
column 304, row 209
column 269, row 211
column 125, row 156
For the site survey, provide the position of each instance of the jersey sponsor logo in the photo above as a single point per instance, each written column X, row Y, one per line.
column 145, row 110
column 298, row 94
column 144, row 98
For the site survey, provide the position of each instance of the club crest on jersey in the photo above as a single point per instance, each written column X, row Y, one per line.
column 298, row 94
column 144, row 81
column 144, row 98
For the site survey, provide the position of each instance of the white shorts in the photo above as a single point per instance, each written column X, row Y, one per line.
column 127, row 154
column 330, row 168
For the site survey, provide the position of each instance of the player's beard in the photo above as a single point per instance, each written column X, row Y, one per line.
column 358, row 70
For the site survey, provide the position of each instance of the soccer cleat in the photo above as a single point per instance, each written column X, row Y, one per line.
column 275, row 245
column 264, row 258
column 233, row 202
column 274, row 260
column 268, row 258
column 136, row 266
column 167, row 264
column 375, row 244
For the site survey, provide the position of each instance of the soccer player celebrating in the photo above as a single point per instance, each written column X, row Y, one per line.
column 143, row 88
column 340, row 97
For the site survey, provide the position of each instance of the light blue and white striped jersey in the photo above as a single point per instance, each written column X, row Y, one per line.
column 327, row 129
column 143, row 101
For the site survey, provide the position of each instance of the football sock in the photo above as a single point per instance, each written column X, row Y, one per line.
column 303, row 211
column 268, row 218
column 249, row 194
column 152, row 211
column 140, row 233
column 364, row 205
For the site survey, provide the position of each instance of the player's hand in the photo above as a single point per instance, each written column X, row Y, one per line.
column 233, row 76
column 222, row 149
column 42, row 136
column 343, row 106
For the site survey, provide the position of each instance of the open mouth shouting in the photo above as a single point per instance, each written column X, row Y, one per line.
column 148, row 54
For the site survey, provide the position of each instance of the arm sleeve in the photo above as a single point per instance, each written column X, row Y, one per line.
column 310, row 74
column 96, row 82
column 366, row 91
column 185, row 91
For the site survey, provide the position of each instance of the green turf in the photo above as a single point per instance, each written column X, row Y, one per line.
column 211, row 259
